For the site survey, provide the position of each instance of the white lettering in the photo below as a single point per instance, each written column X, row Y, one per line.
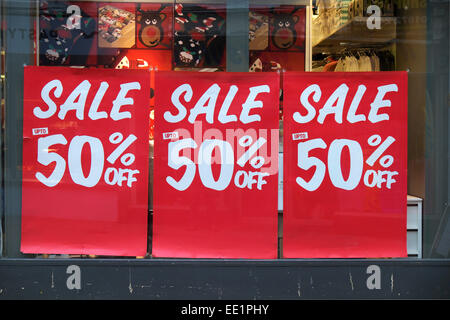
column 93, row 113
column 314, row 88
column 210, row 95
column 380, row 103
column 338, row 98
column 250, row 103
column 54, row 84
column 223, row 117
column 122, row 100
column 175, row 98
column 352, row 117
column 80, row 94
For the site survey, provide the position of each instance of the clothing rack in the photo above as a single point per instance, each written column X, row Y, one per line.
column 385, row 60
column 348, row 50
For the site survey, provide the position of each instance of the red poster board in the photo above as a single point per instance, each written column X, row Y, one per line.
column 345, row 165
column 215, row 165
column 85, row 161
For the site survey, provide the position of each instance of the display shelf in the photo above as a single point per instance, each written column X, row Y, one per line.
column 354, row 32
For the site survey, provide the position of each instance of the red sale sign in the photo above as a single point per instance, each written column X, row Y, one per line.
column 216, row 165
column 345, row 165
column 85, row 161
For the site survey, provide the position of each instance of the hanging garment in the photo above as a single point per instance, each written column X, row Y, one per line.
column 354, row 64
column 360, row 64
column 367, row 64
column 377, row 62
column 372, row 62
